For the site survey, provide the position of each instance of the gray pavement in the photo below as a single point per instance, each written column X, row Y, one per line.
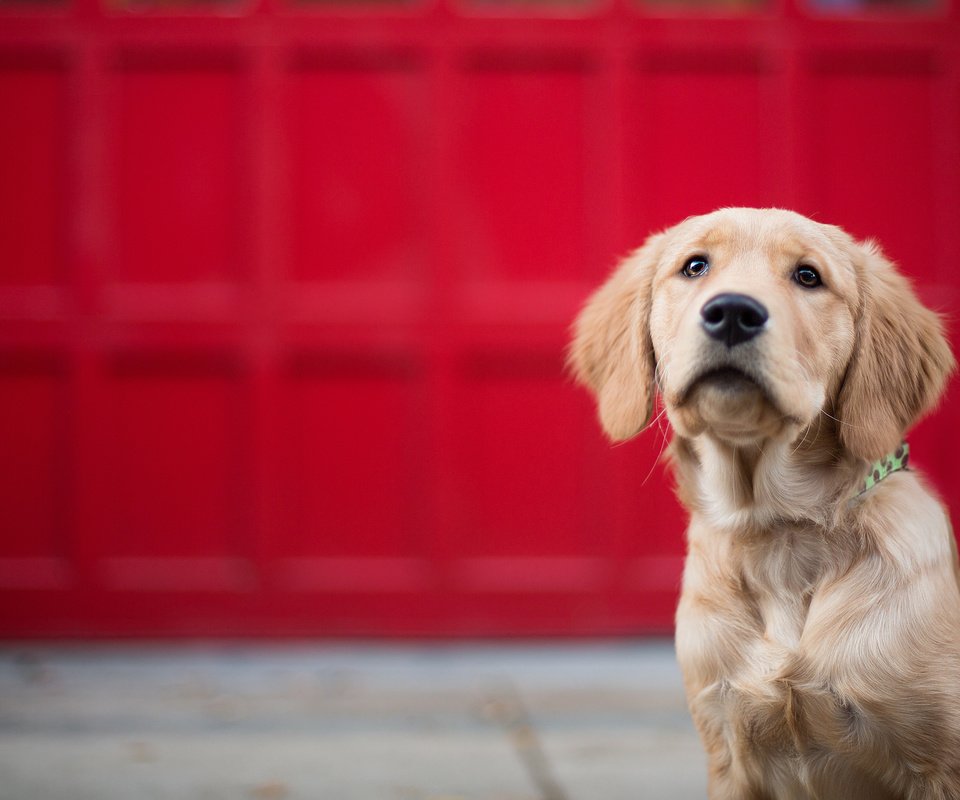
column 346, row 722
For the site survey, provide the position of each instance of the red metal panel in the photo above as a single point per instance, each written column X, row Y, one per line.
column 284, row 293
column 172, row 513
column 33, row 549
column 169, row 458
column 522, row 165
column 177, row 162
column 509, row 511
column 32, row 168
column 704, row 136
column 350, row 482
column 357, row 215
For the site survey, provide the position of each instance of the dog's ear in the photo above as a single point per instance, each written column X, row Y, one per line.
column 611, row 353
column 900, row 363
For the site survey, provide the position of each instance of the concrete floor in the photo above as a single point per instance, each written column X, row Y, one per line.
column 333, row 722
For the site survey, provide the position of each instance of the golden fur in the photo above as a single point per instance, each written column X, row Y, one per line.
column 818, row 632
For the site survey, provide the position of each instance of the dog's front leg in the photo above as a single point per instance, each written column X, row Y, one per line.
column 722, row 787
column 730, row 773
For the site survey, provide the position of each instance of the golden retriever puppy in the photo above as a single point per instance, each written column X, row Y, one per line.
column 818, row 629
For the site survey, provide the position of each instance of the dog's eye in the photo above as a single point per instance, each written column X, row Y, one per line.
column 807, row 276
column 695, row 267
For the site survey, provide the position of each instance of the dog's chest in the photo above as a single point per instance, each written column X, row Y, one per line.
column 747, row 693
column 780, row 574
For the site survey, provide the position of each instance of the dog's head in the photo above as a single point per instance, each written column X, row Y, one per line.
column 751, row 323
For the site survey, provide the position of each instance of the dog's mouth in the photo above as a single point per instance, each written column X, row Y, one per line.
column 731, row 403
column 727, row 379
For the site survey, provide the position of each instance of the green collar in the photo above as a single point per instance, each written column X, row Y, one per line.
column 892, row 462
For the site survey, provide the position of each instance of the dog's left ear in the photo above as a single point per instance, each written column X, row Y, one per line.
column 900, row 364
column 611, row 353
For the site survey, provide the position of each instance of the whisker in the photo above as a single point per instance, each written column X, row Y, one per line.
column 657, row 459
column 802, row 442
column 819, row 425
column 841, row 422
column 653, row 421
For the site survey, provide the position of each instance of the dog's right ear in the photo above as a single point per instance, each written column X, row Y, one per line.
column 900, row 364
column 611, row 353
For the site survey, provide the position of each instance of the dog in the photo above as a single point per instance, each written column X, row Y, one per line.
column 818, row 627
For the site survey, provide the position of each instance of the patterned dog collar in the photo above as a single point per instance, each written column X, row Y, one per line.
column 892, row 462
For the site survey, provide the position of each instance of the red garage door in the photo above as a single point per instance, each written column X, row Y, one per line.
column 285, row 287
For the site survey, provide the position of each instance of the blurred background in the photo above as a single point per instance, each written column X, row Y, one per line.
column 285, row 287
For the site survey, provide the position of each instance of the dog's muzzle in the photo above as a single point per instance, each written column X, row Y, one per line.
column 733, row 318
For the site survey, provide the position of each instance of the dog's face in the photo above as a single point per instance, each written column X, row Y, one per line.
column 752, row 323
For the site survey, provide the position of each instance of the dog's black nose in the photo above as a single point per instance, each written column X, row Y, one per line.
column 733, row 318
